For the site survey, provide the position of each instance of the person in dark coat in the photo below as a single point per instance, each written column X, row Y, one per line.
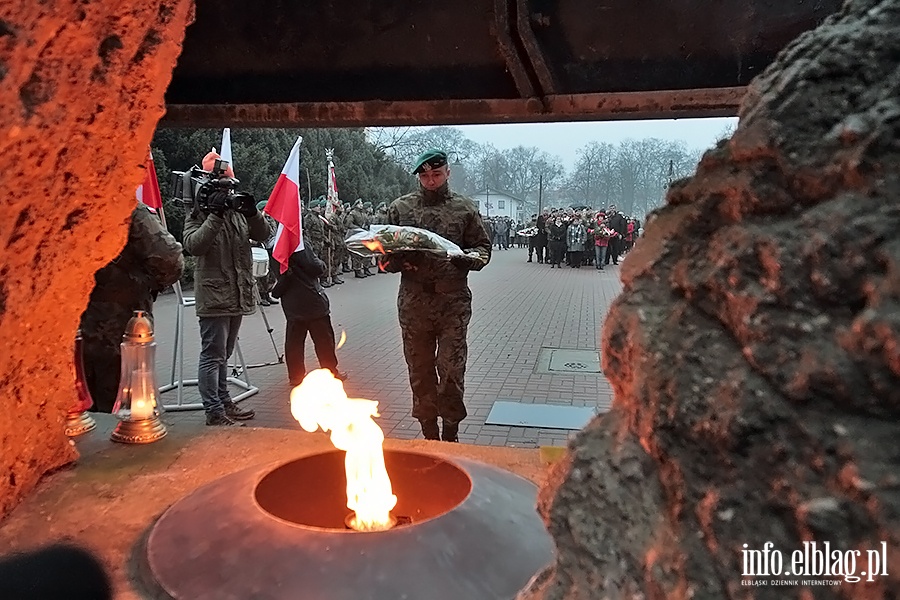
column 307, row 310
column 219, row 237
column 615, row 221
column 540, row 240
column 556, row 236
column 150, row 262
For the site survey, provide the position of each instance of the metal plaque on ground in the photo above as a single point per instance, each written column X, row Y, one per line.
column 546, row 416
column 564, row 360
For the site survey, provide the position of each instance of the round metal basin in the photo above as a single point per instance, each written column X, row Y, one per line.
column 465, row 530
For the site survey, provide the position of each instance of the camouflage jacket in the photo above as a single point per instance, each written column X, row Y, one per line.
column 150, row 262
column 338, row 227
column 314, row 232
column 359, row 218
column 450, row 215
column 223, row 274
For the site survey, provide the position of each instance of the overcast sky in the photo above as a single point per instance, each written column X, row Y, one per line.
column 564, row 139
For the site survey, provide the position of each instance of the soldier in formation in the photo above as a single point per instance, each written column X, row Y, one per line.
column 359, row 220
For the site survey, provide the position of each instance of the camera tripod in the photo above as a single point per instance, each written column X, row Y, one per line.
column 269, row 330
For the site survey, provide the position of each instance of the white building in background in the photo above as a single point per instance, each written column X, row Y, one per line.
column 494, row 203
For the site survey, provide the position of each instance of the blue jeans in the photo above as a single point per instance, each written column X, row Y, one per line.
column 218, row 336
column 599, row 256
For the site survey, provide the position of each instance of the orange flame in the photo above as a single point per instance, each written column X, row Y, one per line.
column 374, row 246
column 320, row 401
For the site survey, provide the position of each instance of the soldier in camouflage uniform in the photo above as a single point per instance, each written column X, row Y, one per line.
column 380, row 218
column 359, row 220
column 339, row 247
column 370, row 262
column 346, row 266
column 328, row 247
column 150, row 262
column 314, row 233
column 380, row 214
column 434, row 302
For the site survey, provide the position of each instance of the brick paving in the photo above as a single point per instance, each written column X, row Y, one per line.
column 518, row 309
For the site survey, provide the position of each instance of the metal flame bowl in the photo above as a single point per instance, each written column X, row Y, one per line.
column 465, row 530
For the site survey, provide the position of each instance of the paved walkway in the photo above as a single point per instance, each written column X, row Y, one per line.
column 518, row 309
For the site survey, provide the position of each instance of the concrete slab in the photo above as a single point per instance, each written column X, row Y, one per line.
column 549, row 416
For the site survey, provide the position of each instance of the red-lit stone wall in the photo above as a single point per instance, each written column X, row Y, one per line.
column 81, row 91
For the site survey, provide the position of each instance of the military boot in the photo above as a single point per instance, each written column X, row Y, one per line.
column 324, row 282
column 336, row 280
column 430, row 429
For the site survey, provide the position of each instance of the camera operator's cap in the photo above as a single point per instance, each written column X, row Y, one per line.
column 430, row 159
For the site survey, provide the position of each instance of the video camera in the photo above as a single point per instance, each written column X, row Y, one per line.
column 196, row 186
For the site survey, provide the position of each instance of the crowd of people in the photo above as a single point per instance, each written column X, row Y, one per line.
column 580, row 237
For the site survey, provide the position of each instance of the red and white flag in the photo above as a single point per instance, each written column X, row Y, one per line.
column 284, row 207
column 148, row 191
column 226, row 147
column 332, row 196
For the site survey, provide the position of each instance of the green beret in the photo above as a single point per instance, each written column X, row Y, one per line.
column 367, row 204
column 430, row 159
column 261, row 204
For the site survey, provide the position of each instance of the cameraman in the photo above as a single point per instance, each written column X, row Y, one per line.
column 218, row 232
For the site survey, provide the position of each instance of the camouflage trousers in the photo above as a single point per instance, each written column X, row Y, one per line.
column 102, row 365
column 434, row 324
column 337, row 259
column 359, row 263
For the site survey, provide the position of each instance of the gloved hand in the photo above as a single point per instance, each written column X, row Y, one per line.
column 465, row 263
column 403, row 260
column 217, row 202
column 248, row 205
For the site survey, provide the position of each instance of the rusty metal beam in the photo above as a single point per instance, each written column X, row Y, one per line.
column 664, row 104
column 514, row 63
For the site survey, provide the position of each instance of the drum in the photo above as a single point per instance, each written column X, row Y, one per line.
column 260, row 262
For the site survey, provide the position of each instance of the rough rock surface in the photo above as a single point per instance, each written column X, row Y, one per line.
column 82, row 91
column 755, row 350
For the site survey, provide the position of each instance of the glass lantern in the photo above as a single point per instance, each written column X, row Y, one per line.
column 78, row 421
column 137, row 403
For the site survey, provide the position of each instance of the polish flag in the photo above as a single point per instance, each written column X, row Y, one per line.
column 148, row 191
column 226, row 147
column 284, row 207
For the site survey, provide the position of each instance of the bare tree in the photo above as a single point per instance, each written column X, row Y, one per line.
column 633, row 175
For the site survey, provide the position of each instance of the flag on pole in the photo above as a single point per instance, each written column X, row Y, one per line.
column 226, row 147
column 332, row 196
column 284, row 207
column 148, row 191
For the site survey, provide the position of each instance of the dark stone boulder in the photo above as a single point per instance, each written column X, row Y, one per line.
column 755, row 349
